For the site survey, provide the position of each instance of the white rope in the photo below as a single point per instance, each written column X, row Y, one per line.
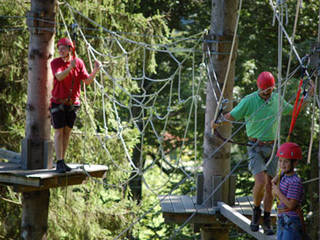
column 229, row 61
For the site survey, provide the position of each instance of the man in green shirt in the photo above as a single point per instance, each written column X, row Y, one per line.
column 260, row 111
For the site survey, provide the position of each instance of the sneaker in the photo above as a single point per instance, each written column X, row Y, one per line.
column 254, row 226
column 266, row 225
column 62, row 167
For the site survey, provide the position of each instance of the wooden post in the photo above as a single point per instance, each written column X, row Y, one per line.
column 317, row 79
column 223, row 21
column 36, row 146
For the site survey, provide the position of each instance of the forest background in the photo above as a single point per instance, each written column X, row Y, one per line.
column 104, row 210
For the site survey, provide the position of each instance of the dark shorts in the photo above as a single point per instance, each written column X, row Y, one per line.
column 63, row 115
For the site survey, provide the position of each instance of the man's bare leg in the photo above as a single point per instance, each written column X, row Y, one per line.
column 58, row 143
column 267, row 203
column 258, row 193
column 66, row 138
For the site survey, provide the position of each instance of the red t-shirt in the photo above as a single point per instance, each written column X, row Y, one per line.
column 62, row 89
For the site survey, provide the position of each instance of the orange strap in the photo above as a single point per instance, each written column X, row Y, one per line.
column 296, row 109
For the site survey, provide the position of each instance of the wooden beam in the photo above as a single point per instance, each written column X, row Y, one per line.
column 199, row 188
column 52, row 183
column 9, row 155
column 242, row 222
column 165, row 203
column 41, row 179
column 182, row 217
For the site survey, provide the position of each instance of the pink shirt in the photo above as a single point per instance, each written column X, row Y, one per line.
column 69, row 87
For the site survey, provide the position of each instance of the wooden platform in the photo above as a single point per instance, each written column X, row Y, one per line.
column 41, row 179
column 177, row 209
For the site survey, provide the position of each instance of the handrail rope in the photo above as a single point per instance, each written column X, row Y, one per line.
column 280, row 99
column 298, row 6
column 311, row 180
column 312, row 121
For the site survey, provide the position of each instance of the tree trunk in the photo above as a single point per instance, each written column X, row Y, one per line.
column 36, row 145
column 136, row 183
column 223, row 21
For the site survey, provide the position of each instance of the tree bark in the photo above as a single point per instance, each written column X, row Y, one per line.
column 223, row 21
column 35, row 150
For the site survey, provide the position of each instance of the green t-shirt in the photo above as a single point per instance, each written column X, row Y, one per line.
column 261, row 117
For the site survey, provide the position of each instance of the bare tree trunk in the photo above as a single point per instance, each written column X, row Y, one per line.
column 36, row 146
column 223, row 21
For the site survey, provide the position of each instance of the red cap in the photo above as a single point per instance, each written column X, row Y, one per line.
column 290, row 150
column 66, row 42
column 265, row 80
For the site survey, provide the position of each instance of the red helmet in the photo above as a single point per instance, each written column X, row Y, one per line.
column 265, row 80
column 290, row 150
column 66, row 42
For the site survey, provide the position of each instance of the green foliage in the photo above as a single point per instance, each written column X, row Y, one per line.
column 13, row 77
column 89, row 211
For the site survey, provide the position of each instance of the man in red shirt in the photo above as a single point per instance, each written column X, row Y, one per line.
column 68, row 72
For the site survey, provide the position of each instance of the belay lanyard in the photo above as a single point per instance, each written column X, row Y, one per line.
column 296, row 108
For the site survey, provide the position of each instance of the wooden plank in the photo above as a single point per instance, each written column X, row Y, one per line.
column 200, row 188
column 9, row 155
column 217, row 196
column 62, row 181
column 177, row 204
column 188, row 204
column 180, row 218
column 244, row 199
column 47, row 178
column 232, row 189
column 9, row 179
column 165, row 204
column 242, row 222
column 199, row 208
column 7, row 166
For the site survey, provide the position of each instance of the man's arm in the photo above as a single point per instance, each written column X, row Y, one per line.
column 62, row 75
column 93, row 74
column 226, row 116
